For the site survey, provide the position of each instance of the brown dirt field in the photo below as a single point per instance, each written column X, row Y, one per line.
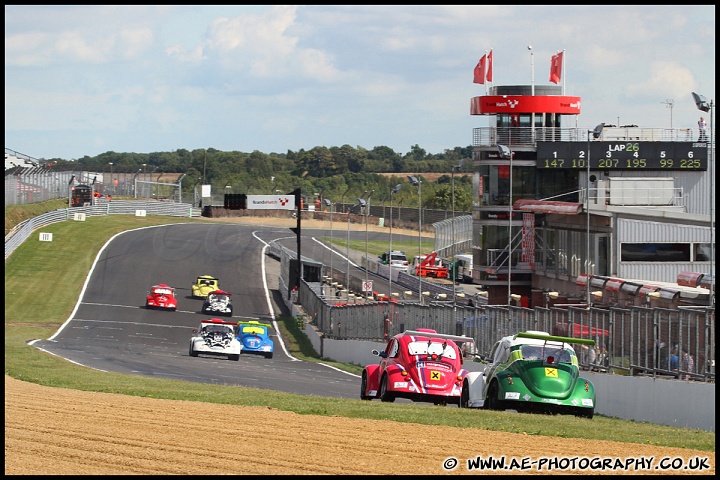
column 55, row 431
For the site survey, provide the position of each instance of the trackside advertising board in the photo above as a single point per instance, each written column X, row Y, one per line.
column 271, row 202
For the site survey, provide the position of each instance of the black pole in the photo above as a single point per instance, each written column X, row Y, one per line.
column 298, row 267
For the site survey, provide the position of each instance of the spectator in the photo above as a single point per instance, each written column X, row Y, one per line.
column 591, row 355
column 587, row 356
column 601, row 358
column 687, row 364
column 702, row 126
column 661, row 355
column 674, row 359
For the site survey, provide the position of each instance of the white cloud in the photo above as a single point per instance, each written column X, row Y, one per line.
column 144, row 77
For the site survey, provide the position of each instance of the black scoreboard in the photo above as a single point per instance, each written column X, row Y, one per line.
column 623, row 155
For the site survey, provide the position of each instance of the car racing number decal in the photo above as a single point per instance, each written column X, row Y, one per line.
column 551, row 372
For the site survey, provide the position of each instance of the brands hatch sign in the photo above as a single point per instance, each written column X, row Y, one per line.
column 271, row 202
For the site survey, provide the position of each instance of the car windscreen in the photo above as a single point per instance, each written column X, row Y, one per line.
column 218, row 329
column 253, row 330
column 553, row 354
column 162, row 291
column 428, row 348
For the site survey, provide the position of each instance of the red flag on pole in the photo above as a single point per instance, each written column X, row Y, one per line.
column 479, row 76
column 556, row 68
column 489, row 66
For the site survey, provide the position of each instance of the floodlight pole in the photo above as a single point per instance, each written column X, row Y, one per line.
column 596, row 133
column 416, row 181
column 347, row 256
column 367, row 213
column 393, row 190
column 452, row 250
column 587, row 226
column 705, row 106
column 712, row 211
column 329, row 203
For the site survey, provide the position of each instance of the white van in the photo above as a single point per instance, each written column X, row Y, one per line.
column 465, row 267
column 396, row 259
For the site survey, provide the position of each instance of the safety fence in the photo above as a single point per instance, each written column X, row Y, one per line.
column 25, row 185
column 658, row 342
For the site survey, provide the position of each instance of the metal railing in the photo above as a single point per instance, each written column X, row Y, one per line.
column 34, row 184
column 529, row 136
column 634, row 341
column 102, row 207
column 629, row 341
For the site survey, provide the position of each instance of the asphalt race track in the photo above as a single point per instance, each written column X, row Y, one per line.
column 111, row 330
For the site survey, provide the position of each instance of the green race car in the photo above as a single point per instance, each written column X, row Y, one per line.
column 532, row 372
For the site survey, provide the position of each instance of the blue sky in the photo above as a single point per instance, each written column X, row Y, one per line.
column 84, row 80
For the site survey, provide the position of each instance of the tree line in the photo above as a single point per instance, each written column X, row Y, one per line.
column 338, row 173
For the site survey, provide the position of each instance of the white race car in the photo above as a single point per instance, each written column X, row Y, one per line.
column 215, row 337
column 217, row 302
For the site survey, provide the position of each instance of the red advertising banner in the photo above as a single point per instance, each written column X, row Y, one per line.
column 525, row 104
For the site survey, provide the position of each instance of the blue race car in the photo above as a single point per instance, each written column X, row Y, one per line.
column 254, row 338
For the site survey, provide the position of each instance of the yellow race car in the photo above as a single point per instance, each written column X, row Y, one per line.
column 204, row 285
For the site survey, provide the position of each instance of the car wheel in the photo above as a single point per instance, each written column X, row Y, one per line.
column 193, row 353
column 363, row 388
column 442, row 403
column 585, row 413
column 385, row 395
column 491, row 401
column 234, row 357
column 464, row 396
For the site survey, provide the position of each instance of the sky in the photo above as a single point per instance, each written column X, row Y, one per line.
column 85, row 80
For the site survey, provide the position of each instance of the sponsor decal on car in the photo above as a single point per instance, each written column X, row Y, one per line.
column 436, row 366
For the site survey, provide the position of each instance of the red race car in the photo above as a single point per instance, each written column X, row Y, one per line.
column 421, row 365
column 161, row 296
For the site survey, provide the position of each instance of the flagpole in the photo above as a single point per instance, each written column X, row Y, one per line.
column 564, row 74
column 532, row 71
column 484, row 73
column 492, row 61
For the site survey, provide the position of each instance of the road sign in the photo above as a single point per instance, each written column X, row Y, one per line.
column 367, row 286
